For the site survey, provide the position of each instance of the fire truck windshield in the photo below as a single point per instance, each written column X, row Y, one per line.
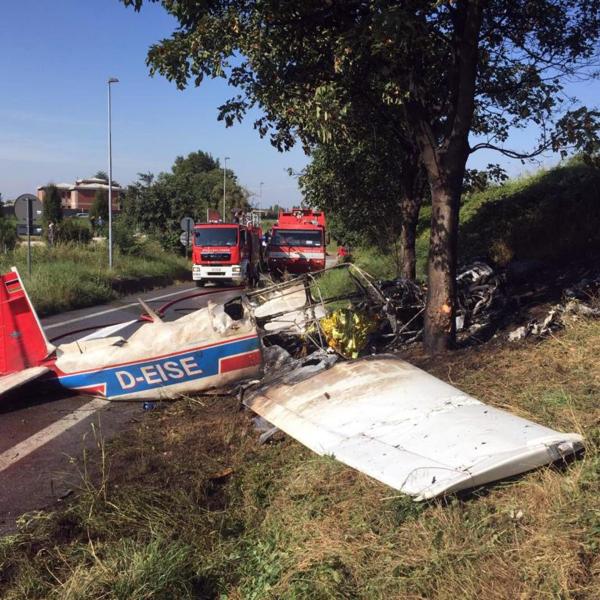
column 297, row 237
column 215, row 236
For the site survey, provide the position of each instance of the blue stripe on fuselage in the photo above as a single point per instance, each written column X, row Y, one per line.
column 159, row 372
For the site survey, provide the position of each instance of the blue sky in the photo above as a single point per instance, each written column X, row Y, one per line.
column 55, row 57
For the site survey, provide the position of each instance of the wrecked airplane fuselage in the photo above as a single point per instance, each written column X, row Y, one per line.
column 379, row 415
column 199, row 351
column 160, row 360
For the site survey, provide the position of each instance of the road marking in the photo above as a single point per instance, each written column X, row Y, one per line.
column 116, row 309
column 37, row 440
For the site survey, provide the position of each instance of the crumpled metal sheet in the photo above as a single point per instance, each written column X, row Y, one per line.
column 295, row 312
column 480, row 296
column 393, row 309
column 281, row 367
column 480, row 300
column 406, row 298
column 286, row 308
column 405, row 428
column 551, row 322
column 576, row 302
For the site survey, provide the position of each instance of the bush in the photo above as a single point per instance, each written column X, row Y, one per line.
column 124, row 237
column 99, row 206
column 168, row 240
column 73, row 230
column 51, row 207
column 8, row 234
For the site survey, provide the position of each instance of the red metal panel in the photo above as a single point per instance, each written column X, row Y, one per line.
column 241, row 361
column 301, row 217
column 22, row 341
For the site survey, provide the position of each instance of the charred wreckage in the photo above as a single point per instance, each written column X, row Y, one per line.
column 317, row 366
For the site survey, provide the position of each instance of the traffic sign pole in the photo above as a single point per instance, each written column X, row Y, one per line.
column 187, row 242
column 28, row 210
column 29, row 226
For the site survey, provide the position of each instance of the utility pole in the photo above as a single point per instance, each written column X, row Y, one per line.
column 110, row 245
column 224, row 185
column 260, row 195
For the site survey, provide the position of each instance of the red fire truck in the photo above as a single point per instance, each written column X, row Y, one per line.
column 298, row 241
column 226, row 252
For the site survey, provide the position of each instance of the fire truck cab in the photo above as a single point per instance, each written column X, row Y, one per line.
column 226, row 252
column 297, row 243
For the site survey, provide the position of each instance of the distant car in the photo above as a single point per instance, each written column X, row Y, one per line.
column 82, row 215
column 22, row 229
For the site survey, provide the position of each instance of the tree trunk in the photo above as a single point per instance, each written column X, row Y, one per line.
column 445, row 159
column 440, row 327
column 408, row 234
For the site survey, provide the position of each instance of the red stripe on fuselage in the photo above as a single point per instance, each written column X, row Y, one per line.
column 241, row 361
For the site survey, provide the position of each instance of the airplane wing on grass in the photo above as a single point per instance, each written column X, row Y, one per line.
column 406, row 428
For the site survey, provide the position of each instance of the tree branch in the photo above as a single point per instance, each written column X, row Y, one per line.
column 512, row 153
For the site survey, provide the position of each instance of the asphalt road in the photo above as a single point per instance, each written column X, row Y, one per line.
column 43, row 434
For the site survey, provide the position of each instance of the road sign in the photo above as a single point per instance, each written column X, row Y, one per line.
column 28, row 210
column 185, row 240
column 21, row 208
column 187, row 224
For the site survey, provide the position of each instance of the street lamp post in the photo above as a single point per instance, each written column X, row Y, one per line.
column 260, row 195
column 110, row 245
column 224, row 184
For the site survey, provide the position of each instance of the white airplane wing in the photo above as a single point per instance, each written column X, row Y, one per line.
column 407, row 429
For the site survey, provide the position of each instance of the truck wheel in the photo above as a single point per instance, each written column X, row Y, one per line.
column 200, row 283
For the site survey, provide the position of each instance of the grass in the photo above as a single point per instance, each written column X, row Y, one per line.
column 191, row 506
column 267, row 224
column 335, row 283
column 550, row 215
column 338, row 281
column 72, row 276
column 378, row 265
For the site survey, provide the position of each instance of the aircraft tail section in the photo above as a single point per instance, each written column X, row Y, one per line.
column 23, row 343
